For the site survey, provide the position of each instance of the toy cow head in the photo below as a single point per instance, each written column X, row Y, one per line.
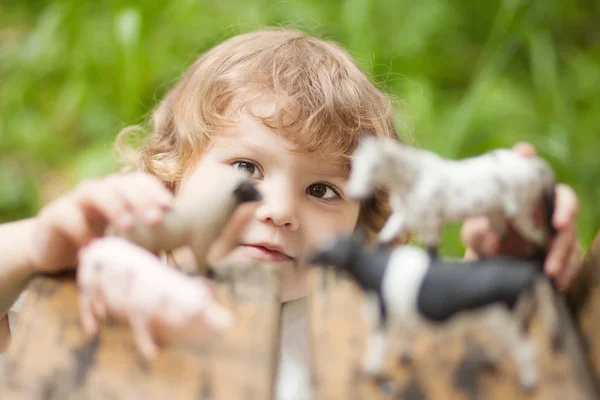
column 338, row 253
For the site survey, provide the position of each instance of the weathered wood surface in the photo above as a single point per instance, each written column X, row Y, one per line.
column 584, row 300
column 50, row 356
column 448, row 363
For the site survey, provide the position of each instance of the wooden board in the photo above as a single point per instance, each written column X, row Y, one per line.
column 50, row 357
column 448, row 363
column 584, row 301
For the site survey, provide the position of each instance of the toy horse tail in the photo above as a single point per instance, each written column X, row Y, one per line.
column 548, row 205
column 549, row 201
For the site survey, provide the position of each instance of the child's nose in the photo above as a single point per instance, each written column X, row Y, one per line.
column 278, row 209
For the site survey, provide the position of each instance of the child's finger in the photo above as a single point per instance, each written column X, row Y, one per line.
column 479, row 238
column 572, row 268
column 142, row 197
column 156, row 190
column 525, row 149
column 560, row 250
column 566, row 208
column 94, row 194
column 67, row 218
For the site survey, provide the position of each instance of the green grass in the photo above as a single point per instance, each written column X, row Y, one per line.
column 472, row 76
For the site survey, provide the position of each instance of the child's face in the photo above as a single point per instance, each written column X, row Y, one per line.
column 303, row 197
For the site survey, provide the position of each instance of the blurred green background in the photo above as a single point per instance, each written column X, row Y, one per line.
column 473, row 76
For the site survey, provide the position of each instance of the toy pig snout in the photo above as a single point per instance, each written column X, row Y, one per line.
column 246, row 192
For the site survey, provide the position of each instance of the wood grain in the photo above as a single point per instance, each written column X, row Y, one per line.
column 52, row 358
column 449, row 362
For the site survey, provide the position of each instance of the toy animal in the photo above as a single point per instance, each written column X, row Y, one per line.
column 426, row 191
column 198, row 215
column 119, row 278
column 414, row 290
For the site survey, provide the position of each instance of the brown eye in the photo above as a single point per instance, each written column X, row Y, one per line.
column 321, row 191
column 248, row 167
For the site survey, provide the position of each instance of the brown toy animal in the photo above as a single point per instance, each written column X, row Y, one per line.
column 198, row 216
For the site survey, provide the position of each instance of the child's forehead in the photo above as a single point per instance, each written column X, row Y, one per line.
column 256, row 140
column 256, row 120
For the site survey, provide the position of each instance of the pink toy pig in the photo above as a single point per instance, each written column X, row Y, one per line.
column 127, row 281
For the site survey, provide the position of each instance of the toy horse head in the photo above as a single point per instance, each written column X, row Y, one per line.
column 382, row 162
column 366, row 168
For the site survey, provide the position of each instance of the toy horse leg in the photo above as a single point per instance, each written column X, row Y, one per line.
column 392, row 228
column 497, row 223
column 524, row 223
column 431, row 237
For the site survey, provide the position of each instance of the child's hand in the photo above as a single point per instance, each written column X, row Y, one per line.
column 564, row 251
column 71, row 221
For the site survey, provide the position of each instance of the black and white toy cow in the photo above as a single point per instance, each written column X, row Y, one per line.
column 414, row 289
column 427, row 191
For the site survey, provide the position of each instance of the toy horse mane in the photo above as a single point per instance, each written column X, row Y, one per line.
column 403, row 163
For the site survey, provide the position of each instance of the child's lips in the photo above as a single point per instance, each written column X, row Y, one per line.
column 263, row 253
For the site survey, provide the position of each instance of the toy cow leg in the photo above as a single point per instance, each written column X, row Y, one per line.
column 546, row 304
column 521, row 347
column 374, row 358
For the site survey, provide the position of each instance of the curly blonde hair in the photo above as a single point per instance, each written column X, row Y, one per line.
column 324, row 103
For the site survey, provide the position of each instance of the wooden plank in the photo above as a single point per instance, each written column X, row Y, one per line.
column 584, row 302
column 51, row 357
column 448, row 363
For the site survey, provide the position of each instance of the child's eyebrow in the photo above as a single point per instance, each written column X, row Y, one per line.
column 333, row 174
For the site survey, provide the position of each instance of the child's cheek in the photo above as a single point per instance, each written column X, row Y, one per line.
column 324, row 229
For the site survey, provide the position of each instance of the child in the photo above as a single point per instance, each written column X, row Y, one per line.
column 284, row 107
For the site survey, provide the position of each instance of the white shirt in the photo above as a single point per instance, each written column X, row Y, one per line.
column 293, row 376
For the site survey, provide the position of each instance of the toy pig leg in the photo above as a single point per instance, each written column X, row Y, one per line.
column 99, row 309
column 88, row 320
column 142, row 336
